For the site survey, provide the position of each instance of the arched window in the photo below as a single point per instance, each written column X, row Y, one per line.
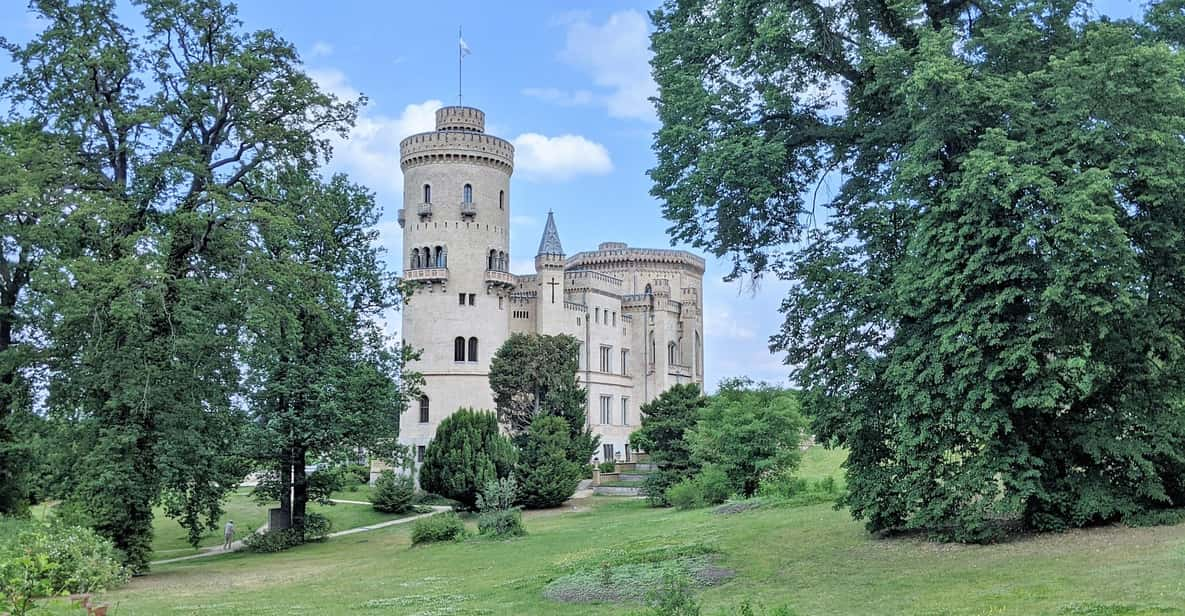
column 672, row 352
column 415, row 258
column 440, row 260
column 459, row 349
column 473, row 349
column 423, row 409
column 503, row 262
column 468, row 198
column 492, row 261
column 501, row 199
column 427, row 193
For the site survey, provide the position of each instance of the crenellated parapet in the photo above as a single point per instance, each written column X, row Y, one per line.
column 456, row 147
column 618, row 255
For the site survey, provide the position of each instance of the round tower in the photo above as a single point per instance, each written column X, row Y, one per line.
column 455, row 219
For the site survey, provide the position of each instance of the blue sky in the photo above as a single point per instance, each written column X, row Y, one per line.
column 566, row 82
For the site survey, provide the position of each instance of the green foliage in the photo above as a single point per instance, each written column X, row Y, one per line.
column 991, row 317
column 547, row 476
column 501, row 523
column 748, row 431
column 393, row 493
column 316, row 528
column 499, row 516
column 525, row 370
column 42, row 560
column 172, row 133
column 674, row 598
column 498, row 495
column 665, row 422
column 445, row 526
column 687, row 494
column 468, row 451
column 534, row 375
column 607, row 466
column 711, row 486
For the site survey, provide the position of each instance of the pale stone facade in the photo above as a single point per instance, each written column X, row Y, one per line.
column 636, row 311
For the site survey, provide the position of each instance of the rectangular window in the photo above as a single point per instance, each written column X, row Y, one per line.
column 461, row 299
column 597, row 314
column 606, row 410
column 423, row 409
column 472, row 298
column 625, row 358
column 420, row 453
column 625, row 411
column 606, row 359
column 499, row 303
column 607, row 449
column 614, row 318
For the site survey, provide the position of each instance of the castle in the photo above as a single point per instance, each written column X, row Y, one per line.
column 637, row 312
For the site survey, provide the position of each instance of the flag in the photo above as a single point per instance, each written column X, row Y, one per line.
column 464, row 48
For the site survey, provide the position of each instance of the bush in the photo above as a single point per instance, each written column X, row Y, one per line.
column 468, row 451
column 498, row 495
column 38, row 560
column 686, row 494
column 710, row 487
column 356, row 474
column 714, row 485
column 316, row 528
column 445, row 526
column 547, row 476
column 393, row 493
column 674, row 598
column 797, row 491
column 655, row 487
column 608, row 467
column 501, row 523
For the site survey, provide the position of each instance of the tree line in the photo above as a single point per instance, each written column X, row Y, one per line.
column 185, row 296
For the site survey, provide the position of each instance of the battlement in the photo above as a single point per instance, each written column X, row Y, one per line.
column 618, row 254
column 588, row 279
column 456, row 146
column 461, row 118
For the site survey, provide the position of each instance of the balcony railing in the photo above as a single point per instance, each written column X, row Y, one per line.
column 468, row 209
column 424, row 210
column 426, row 274
column 679, row 370
column 498, row 277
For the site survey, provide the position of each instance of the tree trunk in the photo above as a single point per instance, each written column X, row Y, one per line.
column 300, row 488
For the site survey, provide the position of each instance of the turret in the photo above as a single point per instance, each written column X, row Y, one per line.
column 549, row 268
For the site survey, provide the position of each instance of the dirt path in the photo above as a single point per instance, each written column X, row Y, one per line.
column 238, row 545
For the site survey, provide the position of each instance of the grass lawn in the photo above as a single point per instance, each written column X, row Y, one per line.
column 814, row 559
column 170, row 538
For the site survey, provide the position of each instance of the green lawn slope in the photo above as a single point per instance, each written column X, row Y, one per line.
column 813, row 559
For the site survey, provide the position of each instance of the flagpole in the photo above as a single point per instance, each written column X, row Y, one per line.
column 459, row 56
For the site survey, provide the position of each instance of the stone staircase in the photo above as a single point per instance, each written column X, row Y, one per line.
column 627, row 478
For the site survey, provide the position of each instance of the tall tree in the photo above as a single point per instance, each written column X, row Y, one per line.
column 666, row 422
column 173, row 132
column 322, row 379
column 524, row 372
column 534, row 375
column 34, row 167
column 987, row 311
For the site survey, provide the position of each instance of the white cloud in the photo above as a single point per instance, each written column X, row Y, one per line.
column 321, row 49
column 371, row 153
column 335, row 82
column 616, row 54
column 559, row 158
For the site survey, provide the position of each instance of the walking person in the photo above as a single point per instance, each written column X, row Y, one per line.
column 228, row 536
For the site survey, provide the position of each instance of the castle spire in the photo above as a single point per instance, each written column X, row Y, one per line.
column 550, row 243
